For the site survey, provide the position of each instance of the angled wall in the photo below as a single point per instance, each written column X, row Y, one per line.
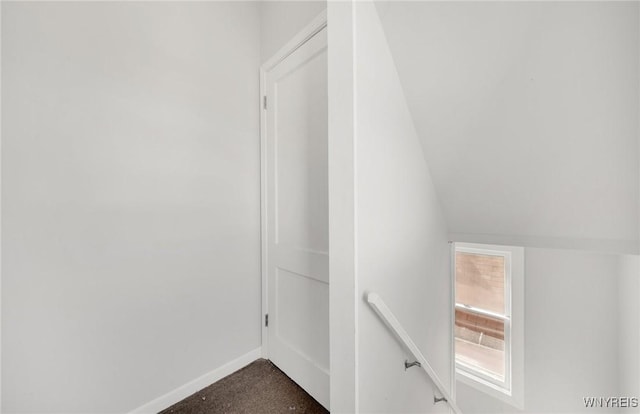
column 529, row 115
column 402, row 248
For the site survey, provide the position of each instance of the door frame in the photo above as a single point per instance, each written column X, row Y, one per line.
column 311, row 29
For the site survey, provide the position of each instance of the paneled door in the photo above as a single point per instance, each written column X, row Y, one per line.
column 297, row 221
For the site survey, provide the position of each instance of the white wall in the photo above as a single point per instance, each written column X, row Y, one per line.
column 629, row 326
column 571, row 334
column 528, row 112
column 130, row 168
column 281, row 20
column 402, row 248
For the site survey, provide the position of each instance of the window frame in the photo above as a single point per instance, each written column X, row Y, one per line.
column 511, row 390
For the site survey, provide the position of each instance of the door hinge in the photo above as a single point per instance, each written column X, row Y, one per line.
column 266, row 320
column 264, row 102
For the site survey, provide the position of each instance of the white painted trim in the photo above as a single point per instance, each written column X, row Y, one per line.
column 318, row 23
column 514, row 328
column 197, row 384
column 594, row 245
column 344, row 295
column 484, row 381
column 264, row 237
column 0, row 216
column 315, row 26
column 452, row 319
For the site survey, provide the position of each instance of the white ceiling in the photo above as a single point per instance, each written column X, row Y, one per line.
column 528, row 113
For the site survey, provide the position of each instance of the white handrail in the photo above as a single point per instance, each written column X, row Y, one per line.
column 391, row 321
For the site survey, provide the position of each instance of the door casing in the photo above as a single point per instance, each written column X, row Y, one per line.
column 315, row 26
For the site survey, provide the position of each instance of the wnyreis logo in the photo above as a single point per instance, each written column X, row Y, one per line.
column 611, row 402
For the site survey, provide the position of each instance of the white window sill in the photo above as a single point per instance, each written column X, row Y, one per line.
column 490, row 389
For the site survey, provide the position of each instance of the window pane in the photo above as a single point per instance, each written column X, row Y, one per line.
column 480, row 281
column 480, row 343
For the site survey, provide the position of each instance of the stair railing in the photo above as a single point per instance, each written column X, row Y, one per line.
column 378, row 305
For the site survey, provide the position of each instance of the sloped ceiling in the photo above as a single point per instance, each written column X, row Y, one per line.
column 528, row 113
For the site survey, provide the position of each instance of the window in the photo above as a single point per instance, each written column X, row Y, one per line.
column 489, row 316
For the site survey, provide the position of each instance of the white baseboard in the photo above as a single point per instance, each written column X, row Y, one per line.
column 197, row 384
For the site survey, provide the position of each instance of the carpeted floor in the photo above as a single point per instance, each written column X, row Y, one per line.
column 258, row 388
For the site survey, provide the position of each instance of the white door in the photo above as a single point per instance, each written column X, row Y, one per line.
column 297, row 212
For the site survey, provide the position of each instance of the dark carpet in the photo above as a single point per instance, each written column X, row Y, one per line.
column 258, row 388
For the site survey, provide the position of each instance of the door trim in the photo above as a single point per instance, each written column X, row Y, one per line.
column 311, row 29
